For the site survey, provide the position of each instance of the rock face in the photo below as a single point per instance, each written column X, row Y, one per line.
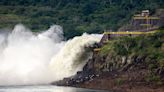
column 122, row 74
column 82, row 76
column 131, row 65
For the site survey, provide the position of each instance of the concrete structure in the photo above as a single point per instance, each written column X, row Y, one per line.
column 144, row 21
column 142, row 24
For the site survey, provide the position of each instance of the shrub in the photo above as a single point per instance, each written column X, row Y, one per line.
column 119, row 81
column 154, row 78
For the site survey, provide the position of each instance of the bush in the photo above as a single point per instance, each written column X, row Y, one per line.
column 119, row 81
column 161, row 63
column 152, row 78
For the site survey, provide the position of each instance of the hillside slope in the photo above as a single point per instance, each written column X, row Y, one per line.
column 76, row 16
column 124, row 64
column 129, row 64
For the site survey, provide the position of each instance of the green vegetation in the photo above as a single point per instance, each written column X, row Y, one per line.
column 151, row 45
column 76, row 16
column 152, row 78
column 142, row 51
column 119, row 81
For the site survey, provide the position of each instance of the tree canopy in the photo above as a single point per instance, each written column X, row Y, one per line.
column 76, row 16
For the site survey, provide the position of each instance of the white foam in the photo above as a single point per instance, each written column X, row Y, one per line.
column 27, row 59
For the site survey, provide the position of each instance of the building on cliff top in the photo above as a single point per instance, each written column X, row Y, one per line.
column 141, row 24
column 144, row 22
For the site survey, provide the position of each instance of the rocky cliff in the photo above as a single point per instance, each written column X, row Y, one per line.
column 125, row 64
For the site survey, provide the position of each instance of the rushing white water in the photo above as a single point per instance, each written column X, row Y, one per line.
column 27, row 59
column 72, row 56
column 45, row 88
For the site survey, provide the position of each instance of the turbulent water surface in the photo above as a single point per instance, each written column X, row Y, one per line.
column 40, row 58
column 44, row 89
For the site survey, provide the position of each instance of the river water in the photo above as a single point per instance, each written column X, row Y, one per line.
column 46, row 88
